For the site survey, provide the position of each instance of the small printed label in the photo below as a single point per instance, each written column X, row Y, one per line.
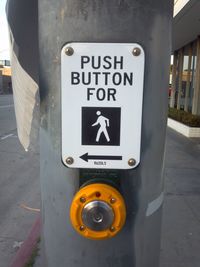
column 100, row 163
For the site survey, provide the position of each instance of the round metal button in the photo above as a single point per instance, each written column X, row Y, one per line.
column 98, row 211
column 97, row 215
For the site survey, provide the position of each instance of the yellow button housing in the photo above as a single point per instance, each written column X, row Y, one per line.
column 103, row 194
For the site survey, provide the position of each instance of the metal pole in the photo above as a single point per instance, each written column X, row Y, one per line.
column 180, row 75
column 174, row 76
column 147, row 23
column 188, row 81
column 196, row 94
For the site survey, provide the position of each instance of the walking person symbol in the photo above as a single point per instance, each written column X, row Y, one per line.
column 104, row 123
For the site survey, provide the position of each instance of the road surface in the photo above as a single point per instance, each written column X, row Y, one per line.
column 19, row 185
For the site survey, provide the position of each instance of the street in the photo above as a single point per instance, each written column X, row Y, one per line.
column 19, row 185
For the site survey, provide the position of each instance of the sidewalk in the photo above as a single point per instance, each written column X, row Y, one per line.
column 181, row 212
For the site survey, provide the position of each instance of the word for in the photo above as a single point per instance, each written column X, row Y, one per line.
column 102, row 94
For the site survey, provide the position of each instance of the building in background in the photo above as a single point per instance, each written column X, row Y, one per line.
column 185, row 80
column 5, row 77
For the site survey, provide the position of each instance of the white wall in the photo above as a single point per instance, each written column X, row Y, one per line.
column 178, row 5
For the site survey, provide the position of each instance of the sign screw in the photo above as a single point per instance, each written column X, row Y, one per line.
column 112, row 228
column 69, row 160
column 113, row 200
column 69, row 51
column 82, row 199
column 131, row 162
column 136, row 51
column 82, row 228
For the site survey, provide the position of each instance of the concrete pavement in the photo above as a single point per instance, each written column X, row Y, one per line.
column 7, row 116
column 181, row 216
column 19, row 185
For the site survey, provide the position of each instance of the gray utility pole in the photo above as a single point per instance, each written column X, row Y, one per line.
column 72, row 33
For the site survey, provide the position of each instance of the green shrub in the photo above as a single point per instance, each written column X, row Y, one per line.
column 184, row 117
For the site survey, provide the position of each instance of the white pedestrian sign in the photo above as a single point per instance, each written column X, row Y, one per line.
column 102, row 91
column 103, row 123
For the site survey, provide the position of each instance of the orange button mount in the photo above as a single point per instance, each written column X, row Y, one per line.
column 98, row 211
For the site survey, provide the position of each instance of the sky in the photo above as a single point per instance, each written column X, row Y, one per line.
column 4, row 37
column 4, row 43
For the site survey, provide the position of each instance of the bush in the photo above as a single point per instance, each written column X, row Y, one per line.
column 184, row 117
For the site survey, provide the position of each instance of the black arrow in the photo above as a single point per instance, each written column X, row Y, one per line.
column 86, row 157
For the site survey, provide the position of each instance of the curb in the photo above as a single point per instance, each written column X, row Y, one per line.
column 24, row 253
